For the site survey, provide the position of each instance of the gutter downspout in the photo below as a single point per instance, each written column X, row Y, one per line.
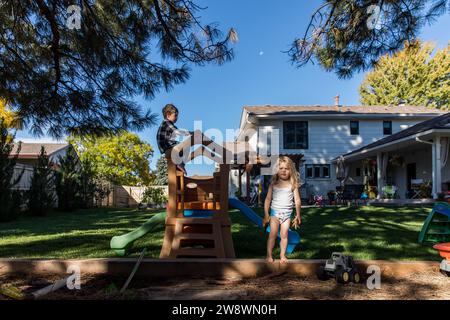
column 247, row 122
column 423, row 141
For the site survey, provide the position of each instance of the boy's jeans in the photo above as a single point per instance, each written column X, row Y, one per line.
column 180, row 166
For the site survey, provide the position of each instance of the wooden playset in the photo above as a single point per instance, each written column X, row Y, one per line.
column 197, row 223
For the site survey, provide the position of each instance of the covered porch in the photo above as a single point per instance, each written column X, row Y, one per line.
column 412, row 168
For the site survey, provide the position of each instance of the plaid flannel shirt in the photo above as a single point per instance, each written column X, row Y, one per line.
column 167, row 133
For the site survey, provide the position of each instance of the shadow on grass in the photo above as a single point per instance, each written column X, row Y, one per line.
column 78, row 247
column 365, row 232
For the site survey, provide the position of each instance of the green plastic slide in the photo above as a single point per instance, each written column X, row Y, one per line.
column 122, row 244
column 436, row 228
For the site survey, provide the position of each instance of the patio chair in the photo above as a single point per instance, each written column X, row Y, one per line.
column 415, row 188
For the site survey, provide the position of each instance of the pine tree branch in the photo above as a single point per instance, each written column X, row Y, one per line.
column 50, row 16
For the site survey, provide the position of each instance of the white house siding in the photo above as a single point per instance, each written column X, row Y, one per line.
column 56, row 155
column 329, row 138
column 25, row 179
column 234, row 183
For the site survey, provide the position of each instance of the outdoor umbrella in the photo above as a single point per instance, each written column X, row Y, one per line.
column 341, row 173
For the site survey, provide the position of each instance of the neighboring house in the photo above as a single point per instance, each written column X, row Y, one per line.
column 314, row 136
column 28, row 155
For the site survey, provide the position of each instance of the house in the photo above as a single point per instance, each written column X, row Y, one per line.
column 315, row 136
column 29, row 152
column 28, row 155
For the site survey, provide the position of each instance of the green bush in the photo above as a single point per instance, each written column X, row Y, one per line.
column 68, row 186
column 41, row 193
column 10, row 199
column 154, row 196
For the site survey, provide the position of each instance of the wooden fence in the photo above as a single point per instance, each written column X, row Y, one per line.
column 128, row 196
column 120, row 196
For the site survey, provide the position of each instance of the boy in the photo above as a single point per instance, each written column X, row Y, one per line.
column 167, row 132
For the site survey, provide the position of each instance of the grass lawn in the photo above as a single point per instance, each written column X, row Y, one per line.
column 364, row 232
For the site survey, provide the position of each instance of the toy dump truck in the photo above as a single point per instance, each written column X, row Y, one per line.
column 340, row 267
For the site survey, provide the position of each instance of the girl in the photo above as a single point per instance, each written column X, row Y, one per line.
column 282, row 193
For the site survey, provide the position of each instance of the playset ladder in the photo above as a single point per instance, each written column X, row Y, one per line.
column 196, row 238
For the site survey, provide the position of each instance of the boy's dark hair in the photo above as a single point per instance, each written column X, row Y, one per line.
column 169, row 109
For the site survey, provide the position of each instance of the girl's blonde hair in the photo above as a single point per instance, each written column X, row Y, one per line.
column 295, row 181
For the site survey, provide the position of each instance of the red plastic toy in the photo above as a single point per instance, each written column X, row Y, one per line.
column 444, row 251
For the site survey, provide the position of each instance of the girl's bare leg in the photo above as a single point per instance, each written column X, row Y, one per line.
column 284, row 229
column 274, row 224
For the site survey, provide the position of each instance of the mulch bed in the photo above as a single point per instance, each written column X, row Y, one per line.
column 432, row 285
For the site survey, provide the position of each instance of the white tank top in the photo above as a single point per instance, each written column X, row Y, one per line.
column 282, row 199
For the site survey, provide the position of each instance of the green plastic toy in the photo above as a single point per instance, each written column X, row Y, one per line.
column 436, row 228
column 122, row 244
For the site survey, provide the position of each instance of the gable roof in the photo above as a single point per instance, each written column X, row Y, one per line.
column 441, row 122
column 32, row 150
column 251, row 114
column 318, row 109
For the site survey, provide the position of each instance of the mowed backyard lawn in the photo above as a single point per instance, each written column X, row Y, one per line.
column 364, row 232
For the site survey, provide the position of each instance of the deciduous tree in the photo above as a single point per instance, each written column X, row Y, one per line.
column 412, row 76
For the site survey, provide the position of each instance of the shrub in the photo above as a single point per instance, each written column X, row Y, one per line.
column 154, row 196
column 10, row 199
column 68, row 187
column 41, row 193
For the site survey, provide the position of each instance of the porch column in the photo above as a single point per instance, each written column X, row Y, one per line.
column 247, row 176
column 379, row 179
column 436, row 167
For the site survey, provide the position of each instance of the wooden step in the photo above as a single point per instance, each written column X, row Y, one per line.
column 198, row 236
column 439, row 233
column 213, row 238
column 193, row 252
column 195, row 220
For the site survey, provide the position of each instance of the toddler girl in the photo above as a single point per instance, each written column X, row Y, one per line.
column 278, row 207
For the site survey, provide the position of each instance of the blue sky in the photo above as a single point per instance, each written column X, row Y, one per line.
column 260, row 72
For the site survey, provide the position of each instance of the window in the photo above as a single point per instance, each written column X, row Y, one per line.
column 264, row 139
column 387, row 127
column 295, row 134
column 309, row 171
column 314, row 171
column 317, row 171
column 354, row 127
column 358, row 172
column 326, row 171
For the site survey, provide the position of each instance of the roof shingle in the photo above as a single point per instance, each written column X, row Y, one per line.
column 317, row 109
column 34, row 149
